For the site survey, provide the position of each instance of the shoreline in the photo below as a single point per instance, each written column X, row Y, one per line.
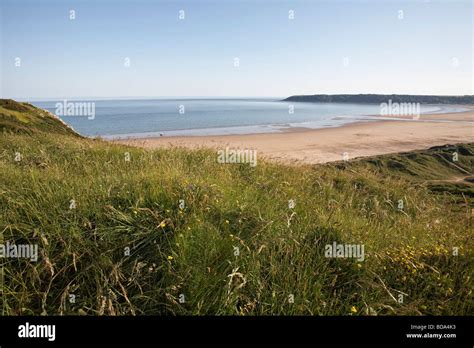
column 287, row 127
column 300, row 145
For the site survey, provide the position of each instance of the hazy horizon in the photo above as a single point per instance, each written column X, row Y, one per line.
column 111, row 98
column 233, row 49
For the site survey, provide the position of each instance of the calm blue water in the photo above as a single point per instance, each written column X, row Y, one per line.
column 152, row 117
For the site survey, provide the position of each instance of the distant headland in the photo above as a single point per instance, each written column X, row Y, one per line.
column 382, row 98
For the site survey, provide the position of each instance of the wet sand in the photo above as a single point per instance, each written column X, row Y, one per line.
column 311, row 146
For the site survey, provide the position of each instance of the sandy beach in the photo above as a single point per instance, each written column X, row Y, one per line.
column 311, row 146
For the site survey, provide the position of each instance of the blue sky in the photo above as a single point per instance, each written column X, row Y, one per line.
column 329, row 47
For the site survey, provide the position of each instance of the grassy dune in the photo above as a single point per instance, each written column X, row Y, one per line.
column 235, row 247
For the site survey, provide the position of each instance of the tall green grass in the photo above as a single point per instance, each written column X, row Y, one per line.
column 236, row 247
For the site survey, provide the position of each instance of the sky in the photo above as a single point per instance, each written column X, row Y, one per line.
column 234, row 48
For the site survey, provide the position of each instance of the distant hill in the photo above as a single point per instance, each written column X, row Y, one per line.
column 382, row 98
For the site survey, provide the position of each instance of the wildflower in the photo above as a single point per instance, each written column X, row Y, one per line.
column 227, row 221
column 170, row 257
column 353, row 309
column 162, row 224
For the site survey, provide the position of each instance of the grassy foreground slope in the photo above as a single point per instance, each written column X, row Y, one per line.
column 235, row 247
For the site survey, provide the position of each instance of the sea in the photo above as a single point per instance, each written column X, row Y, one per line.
column 152, row 117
